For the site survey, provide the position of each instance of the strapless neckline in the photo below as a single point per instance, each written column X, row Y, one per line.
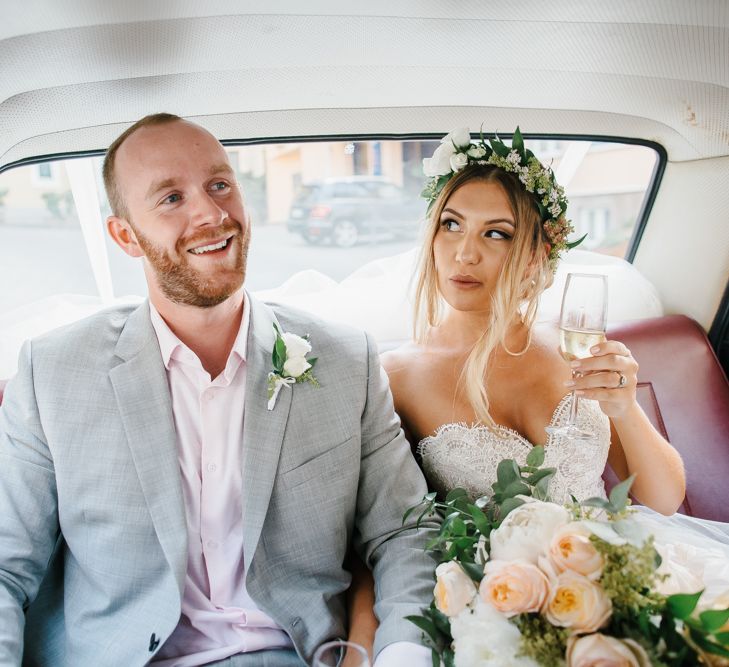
column 564, row 402
column 466, row 456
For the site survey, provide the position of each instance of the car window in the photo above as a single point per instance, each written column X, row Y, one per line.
column 53, row 240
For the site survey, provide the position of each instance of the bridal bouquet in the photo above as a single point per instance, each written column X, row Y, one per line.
column 524, row 582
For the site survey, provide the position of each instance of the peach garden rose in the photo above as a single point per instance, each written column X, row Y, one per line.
column 600, row 650
column 571, row 549
column 577, row 603
column 514, row 587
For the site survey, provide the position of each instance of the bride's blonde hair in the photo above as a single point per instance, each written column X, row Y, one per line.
column 524, row 275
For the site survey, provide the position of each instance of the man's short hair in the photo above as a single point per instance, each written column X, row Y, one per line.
column 116, row 201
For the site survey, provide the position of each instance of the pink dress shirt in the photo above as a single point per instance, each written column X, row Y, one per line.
column 218, row 618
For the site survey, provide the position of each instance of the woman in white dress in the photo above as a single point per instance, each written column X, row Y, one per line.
column 481, row 380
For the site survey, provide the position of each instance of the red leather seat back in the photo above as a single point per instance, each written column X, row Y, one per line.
column 685, row 393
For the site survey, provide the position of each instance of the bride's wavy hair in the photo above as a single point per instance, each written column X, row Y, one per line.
column 524, row 275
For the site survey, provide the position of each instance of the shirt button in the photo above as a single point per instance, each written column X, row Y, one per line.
column 212, row 467
column 212, row 544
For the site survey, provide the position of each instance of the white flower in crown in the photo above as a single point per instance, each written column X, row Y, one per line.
column 460, row 138
column 290, row 364
column 458, row 161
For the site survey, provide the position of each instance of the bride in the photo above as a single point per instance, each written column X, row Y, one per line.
column 481, row 380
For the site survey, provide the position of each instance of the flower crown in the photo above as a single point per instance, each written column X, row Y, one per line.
column 456, row 152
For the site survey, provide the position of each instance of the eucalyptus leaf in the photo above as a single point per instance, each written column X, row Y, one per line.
column 506, row 472
column 479, row 519
column 619, row 494
column 509, row 505
column 517, row 488
column 456, row 493
column 605, row 532
column 541, row 488
column 631, row 531
column 535, row 457
column 534, row 478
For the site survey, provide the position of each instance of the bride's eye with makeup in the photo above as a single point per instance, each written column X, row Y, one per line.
column 497, row 234
column 450, row 225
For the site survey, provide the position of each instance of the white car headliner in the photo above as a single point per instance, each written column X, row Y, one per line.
column 73, row 74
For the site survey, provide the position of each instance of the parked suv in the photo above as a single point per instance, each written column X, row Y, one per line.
column 344, row 211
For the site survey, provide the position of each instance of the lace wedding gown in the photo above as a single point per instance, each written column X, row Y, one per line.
column 695, row 552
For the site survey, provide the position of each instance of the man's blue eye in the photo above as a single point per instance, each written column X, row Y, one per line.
column 171, row 199
column 220, row 186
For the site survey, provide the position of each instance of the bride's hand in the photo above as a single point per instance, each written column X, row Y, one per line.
column 610, row 376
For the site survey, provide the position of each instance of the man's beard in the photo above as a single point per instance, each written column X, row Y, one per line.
column 181, row 283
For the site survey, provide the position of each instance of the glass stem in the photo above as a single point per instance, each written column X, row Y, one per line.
column 573, row 408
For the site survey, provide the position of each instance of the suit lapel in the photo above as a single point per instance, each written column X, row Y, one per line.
column 263, row 429
column 143, row 399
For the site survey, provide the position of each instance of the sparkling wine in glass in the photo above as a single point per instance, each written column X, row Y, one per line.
column 582, row 323
column 340, row 653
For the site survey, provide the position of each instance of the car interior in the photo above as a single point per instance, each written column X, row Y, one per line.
column 374, row 86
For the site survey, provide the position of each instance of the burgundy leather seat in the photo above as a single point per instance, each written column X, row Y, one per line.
column 685, row 393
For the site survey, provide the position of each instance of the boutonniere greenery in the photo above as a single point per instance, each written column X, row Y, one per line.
column 290, row 364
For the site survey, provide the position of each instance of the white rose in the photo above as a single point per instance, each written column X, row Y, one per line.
column 484, row 637
column 461, row 138
column 454, row 589
column 296, row 346
column 599, row 650
column 458, row 161
column 527, row 531
column 295, row 366
column 476, row 151
column 440, row 163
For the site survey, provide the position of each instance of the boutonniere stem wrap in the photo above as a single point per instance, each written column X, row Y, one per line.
column 290, row 364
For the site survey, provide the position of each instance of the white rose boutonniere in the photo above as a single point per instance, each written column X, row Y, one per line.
column 290, row 364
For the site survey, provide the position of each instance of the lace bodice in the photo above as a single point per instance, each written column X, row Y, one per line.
column 466, row 456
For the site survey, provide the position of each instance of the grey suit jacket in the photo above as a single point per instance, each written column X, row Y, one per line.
column 92, row 524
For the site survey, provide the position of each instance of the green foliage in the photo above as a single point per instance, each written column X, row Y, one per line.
column 669, row 628
column 542, row 641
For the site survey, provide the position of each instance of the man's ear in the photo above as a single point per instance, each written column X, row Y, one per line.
column 121, row 231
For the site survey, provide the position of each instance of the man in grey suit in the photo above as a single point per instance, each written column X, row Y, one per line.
column 154, row 504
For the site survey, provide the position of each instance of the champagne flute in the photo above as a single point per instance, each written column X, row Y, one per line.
column 340, row 653
column 582, row 323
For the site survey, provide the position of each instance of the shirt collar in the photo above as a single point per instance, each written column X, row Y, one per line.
column 170, row 344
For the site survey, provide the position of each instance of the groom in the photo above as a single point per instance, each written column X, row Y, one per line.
column 152, row 506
